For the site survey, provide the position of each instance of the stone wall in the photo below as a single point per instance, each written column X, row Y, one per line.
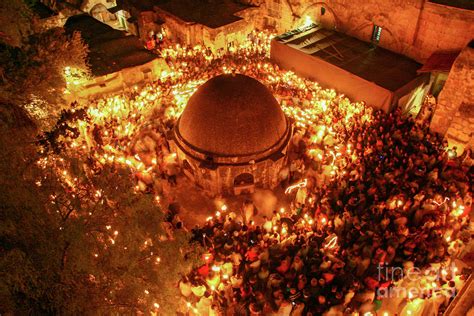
column 220, row 181
column 415, row 28
column 115, row 82
column 147, row 23
column 218, row 178
column 192, row 34
column 442, row 28
column 454, row 114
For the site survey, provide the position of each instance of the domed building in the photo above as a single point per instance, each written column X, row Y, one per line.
column 232, row 136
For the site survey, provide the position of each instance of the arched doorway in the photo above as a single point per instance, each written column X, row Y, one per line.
column 322, row 14
column 244, row 183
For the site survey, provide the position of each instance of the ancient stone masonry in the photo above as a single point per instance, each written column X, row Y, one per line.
column 416, row 28
column 454, row 114
column 232, row 136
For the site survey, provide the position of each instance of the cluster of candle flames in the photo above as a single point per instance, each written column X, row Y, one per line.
column 132, row 114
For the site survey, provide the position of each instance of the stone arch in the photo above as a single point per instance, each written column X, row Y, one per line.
column 244, row 179
column 328, row 19
column 244, row 183
column 364, row 31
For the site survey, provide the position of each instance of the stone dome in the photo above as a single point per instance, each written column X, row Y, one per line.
column 232, row 116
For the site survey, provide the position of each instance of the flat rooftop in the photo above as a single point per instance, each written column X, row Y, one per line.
column 462, row 4
column 376, row 64
column 213, row 14
column 110, row 50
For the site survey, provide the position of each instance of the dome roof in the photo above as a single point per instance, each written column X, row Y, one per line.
column 232, row 115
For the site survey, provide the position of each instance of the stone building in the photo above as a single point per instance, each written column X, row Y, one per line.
column 232, row 136
column 419, row 29
column 362, row 72
column 415, row 28
column 110, row 12
column 222, row 29
column 117, row 60
column 217, row 24
column 454, row 113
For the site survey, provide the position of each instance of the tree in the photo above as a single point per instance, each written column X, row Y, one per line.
column 15, row 22
column 35, row 67
column 34, row 76
column 76, row 239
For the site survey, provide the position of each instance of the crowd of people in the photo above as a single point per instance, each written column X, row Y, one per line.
column 378, row 189
column 129, row 128
column 396, row 198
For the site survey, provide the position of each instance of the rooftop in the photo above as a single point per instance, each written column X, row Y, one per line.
column 211, row 13
column 110, row 50
column 439, row 62
column 375, row 64
column 462, row 4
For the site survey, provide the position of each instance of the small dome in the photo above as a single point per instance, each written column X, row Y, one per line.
column 232, row 115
